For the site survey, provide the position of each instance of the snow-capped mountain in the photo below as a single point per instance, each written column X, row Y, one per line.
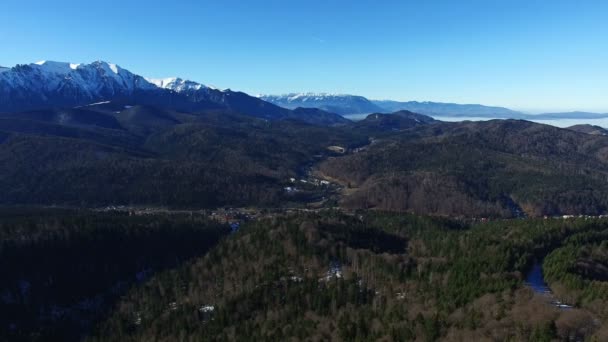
column 336, row 103
column 48, row 84
column 177, row 84
column 60, row 84
column 97, row 78
column 351, row 104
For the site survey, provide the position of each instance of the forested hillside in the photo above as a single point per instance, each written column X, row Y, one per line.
column 324, row 275
column 115, row 154
column 371, row 276
column 495, row 168
column 144, row 155
column 63, row 270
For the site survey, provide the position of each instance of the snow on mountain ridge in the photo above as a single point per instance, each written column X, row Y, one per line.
column 56, row 67
column 162, row 82
column 343, row 104
column 177, row 84
column 311, row 95
column 113, row 67
column 49, row 83
column 54, row 84
column 91, row 77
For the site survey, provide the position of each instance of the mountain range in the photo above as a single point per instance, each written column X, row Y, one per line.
column 347, row 105
column 340, row 104
column 96, row 134
column 49, row 84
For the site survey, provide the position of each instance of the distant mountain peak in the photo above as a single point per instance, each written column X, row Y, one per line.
column 56, row 67
column 64, row 67
column 313, row 94
column 589, row 129
column 53, row 64
column 108, row 66
column 177, row 84
column 343, row 104
column 307, row 96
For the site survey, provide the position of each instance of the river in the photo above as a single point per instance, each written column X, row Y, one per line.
column 536, row 281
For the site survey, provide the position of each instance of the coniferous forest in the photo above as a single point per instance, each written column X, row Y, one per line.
column 326, row 275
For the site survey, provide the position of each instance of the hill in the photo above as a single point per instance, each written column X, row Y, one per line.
column 378, row 122
column 116, row 154
column 449, row 109
column 493, row 168
column 144, row 155
column 371, row 276
column 589, row 129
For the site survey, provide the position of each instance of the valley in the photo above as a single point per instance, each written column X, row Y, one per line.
column 318, row 171
column 143, row 209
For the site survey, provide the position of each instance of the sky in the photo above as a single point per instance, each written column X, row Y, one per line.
column 535, row 56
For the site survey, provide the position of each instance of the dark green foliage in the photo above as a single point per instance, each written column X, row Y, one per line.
column 159, row 158
column 581, row 267
column 496, row 168
column 62, row 270
column 377, row 124
column 144, row 155
column 273, row 281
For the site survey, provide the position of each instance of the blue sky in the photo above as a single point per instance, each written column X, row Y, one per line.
column 529, row 55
